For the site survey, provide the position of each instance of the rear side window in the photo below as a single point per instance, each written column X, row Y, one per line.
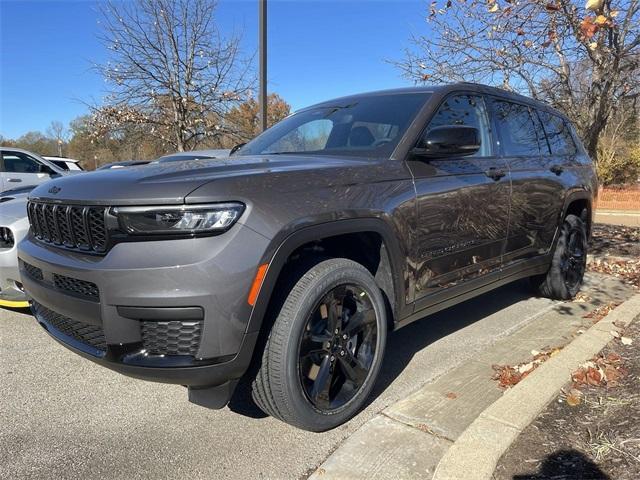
column 517, row 130
column 558, row 134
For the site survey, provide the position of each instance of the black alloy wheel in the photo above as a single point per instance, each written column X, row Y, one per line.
column 337, row 347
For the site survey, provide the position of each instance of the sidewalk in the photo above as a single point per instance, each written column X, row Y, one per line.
column 618, row 217
column 409, row 438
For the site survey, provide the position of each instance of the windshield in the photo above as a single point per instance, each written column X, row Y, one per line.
column 364, row 126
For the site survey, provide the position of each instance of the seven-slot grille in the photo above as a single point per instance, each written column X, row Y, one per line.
column 69, row 226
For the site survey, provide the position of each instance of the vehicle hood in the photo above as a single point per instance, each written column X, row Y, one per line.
column 13, row 210
column 170, row 183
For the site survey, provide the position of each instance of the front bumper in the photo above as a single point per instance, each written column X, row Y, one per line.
column 11, row 292
column 103, row 308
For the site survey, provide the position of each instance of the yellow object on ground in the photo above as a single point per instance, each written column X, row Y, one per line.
column 13, row 304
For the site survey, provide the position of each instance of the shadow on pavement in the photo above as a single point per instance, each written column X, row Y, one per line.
column 403, row 344
column 566, row 465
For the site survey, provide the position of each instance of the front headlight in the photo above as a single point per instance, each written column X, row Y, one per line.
column 180, row 219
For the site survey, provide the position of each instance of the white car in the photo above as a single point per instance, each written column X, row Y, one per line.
column 14, row 226
column 21, row 168
column 65, row 163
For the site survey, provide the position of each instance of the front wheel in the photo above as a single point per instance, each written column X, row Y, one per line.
column 325, row 348
column 564, row 278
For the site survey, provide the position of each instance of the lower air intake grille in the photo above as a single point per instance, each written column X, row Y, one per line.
column 79, row 288
column 33, row 272
column 83, row 332
column 171, row 338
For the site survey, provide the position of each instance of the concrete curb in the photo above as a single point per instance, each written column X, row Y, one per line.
column 475, row 453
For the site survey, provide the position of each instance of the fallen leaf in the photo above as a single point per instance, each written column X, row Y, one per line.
column 452, row 395
column 593, row 376
column 574, row 397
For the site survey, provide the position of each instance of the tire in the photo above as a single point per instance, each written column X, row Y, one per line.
column 310, row 377
column 564, row 278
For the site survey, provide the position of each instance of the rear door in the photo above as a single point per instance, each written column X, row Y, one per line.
column 21, row 170
column 462, row 204
column 536, row 180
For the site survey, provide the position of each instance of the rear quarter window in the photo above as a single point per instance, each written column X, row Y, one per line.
column 517, row 131
column 558, row 134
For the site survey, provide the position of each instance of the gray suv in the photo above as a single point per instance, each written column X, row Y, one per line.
column 288, row 263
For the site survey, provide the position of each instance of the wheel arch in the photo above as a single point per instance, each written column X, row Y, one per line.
column 390, row 278
column 575, row 204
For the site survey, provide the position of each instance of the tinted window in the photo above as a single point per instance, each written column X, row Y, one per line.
column 517, row 130
column 308, row 137
column 465, row 110
column 60, row 163
column 367, row 126
column 558, row 134
column 16, row 162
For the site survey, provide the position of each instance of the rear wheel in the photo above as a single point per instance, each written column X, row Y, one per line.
column 564, row 278
column 325, row 348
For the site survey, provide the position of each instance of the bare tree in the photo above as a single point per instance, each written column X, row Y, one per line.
column 583, row 59
column 169, row 69
column 59, row 133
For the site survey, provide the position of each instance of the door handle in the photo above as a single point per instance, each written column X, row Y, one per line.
column 15, row 180
column 495, row 173
column 557, row 169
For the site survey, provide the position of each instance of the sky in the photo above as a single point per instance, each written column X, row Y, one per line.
column 317, row 50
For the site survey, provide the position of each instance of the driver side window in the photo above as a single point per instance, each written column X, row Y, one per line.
column 16, row 162
column 466, row 110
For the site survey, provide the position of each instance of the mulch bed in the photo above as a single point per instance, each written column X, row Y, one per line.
column 615, row 250
column 615, row 240
column 592, row 430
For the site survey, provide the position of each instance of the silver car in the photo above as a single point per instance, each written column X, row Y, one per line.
column 14, row 226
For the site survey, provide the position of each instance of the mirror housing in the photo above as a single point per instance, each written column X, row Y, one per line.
column 236, row 148
column 46, row 169
column 448, row 141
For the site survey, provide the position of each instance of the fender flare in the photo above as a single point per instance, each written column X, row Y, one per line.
column 580, row 194
column 280, row 250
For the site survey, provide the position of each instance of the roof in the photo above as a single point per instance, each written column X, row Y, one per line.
column 445, row 89
column 61, row 159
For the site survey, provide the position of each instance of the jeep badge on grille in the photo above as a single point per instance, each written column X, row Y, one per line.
column 54, row 189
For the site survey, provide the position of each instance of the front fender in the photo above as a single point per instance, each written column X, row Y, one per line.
column 281, row 248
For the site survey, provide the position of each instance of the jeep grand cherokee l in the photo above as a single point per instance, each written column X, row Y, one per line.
column 300, row 252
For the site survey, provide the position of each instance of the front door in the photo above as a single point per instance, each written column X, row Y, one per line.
column 21, row 170
column 462, row 205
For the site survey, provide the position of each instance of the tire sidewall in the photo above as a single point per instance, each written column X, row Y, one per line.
column 563, row 291
column 338, row 274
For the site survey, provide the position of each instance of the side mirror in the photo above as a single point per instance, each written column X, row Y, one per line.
column 236, row 148
column 448, row 141
column 46, row 169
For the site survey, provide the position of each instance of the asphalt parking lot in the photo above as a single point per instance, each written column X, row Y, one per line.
column 64, row 417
